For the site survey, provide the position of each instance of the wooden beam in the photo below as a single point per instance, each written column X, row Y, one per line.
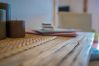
column 85, row 7
column 55, row 13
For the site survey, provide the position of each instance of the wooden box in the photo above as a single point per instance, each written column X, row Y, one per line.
column 15, row 28
column 2, row 30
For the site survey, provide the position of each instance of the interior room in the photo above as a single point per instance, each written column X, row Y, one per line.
column 59, row 32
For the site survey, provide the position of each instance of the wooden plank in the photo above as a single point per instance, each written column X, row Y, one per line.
column 32, row 53
column 46, row 55
column 83, row 58
column 12, row 46
column 58, row 57
column 60, row 51
column 85, row 6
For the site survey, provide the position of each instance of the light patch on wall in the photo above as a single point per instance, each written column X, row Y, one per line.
column 33, row 12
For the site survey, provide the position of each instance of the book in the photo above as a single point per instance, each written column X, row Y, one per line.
column 42, row 31
column 57, row 32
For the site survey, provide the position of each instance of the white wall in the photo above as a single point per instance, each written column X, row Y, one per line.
column 93, row 8
column 33, row 12
column 76, row 6
column 3, row 1
column 63, row 2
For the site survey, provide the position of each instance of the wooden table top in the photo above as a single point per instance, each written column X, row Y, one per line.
column 36, row 50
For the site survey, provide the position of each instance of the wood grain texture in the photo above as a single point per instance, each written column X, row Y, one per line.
column 56, row 51
column 12, row 46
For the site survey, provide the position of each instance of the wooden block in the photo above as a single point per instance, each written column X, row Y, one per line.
column 2, row 30
column 15, row 28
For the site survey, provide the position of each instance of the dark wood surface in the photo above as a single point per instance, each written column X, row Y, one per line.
column 2, row 30
column 15, row 28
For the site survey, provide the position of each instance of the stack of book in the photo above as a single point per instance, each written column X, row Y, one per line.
column 47, row 27
column 55, row 32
